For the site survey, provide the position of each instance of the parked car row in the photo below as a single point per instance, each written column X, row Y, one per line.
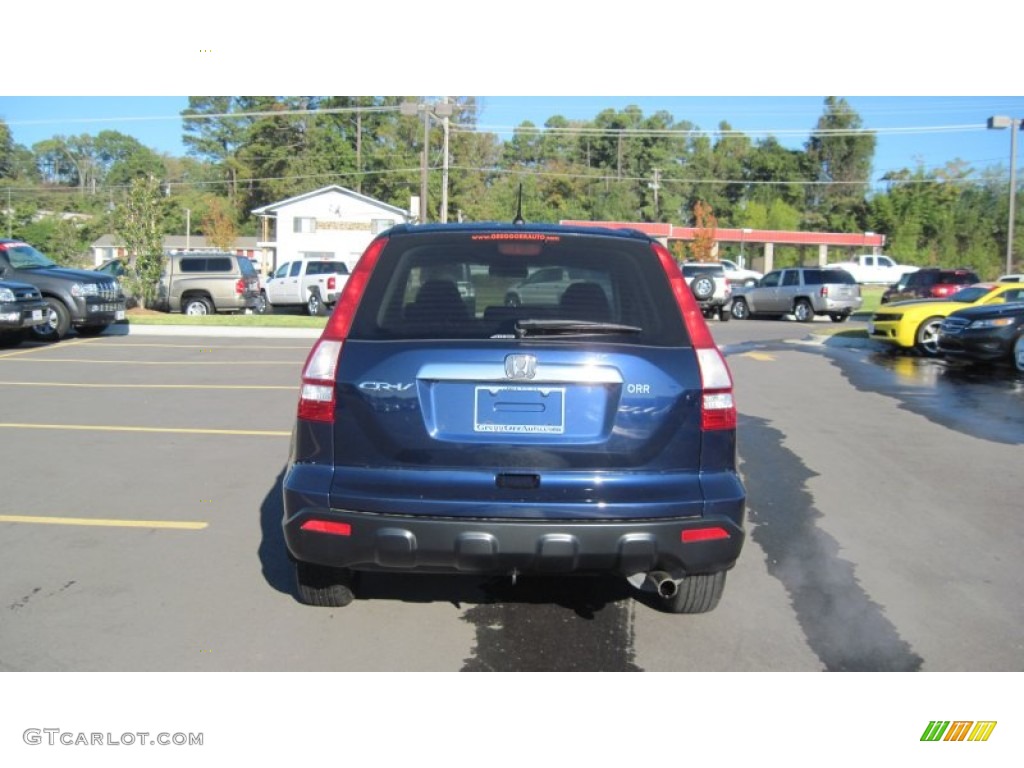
column 981, row 323
column 81, row 299
column 929, row 283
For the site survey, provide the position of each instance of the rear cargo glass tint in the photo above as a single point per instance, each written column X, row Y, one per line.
column 828, row 276
column 478, row 286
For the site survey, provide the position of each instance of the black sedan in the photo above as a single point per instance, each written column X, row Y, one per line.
column 988, row 334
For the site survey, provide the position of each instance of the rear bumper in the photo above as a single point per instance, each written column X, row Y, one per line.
column 490, row 543
column 394, row 542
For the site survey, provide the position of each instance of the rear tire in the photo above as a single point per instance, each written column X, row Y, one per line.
column 724, row 314
column 926, row 340
column 740, row 310
column 697, row 593
column 803, row 311
column 196, row 305
column 323, row 586
column 263, row 306
column 839, row 317
column 91, row 330
column 315, row 305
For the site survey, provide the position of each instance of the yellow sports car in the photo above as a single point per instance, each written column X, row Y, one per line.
column 915, row 324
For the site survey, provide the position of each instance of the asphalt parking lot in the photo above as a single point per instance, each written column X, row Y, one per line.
column 140, row 529
column 142, row 465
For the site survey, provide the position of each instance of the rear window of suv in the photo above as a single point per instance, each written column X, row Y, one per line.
column 828, row 276
column 692, row 270
column 414, row 292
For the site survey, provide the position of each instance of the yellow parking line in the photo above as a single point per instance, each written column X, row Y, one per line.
column 64, row 345
column 200, row 346
column 180, row 525
column 764, row 357
column 171, row 430
column 142, row 386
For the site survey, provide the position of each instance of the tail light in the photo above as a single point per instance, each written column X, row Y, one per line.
column 331, row 283
column 319, row 376
column 240, row 286
column 824, row 291
column 718, row 408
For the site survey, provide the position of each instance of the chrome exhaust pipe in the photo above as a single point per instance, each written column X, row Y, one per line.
column 663, row 584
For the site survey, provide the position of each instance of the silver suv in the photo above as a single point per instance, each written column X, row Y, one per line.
column 204, row 283
column 801, row 291
column 710, row 287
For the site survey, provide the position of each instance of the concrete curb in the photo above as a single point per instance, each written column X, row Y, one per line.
column 213, row 331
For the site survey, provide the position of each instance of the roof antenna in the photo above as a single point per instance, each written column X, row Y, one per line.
column 519, row 207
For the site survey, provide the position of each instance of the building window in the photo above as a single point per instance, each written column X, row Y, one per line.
column 304, row 224
column 379, row 225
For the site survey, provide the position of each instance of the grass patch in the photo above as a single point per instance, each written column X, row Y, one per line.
column 872, row 295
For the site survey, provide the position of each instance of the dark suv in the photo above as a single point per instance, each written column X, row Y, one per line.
column 585, row 431
column 21, row 307
column 85, row 300
column 929, row 283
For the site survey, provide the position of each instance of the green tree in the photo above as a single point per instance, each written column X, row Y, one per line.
column 137, row 223
column 841, row 153
column 6, row 151
column 122, row 158
column 215, row 129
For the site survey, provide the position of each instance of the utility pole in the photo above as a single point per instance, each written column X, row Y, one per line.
column 1014, row 124
column 444, row 162
column 359, row 149
column 655, row 186
column 441, row 111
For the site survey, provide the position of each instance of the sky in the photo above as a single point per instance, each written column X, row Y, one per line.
column 926, row 82
column 911, row 130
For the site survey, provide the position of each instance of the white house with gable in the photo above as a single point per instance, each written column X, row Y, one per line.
column 332, row 222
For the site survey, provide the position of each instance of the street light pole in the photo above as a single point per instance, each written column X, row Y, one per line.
column 1014, row 124
column 439, row 111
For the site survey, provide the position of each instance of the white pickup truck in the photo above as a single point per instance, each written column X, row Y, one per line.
column 869, row 268
column 311, row 283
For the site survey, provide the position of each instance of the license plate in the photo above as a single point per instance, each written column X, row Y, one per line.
column 520, row 410
column 37, row 314
column 119, row 315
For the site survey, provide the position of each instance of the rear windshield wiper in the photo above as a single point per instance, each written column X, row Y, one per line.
column 570, row 328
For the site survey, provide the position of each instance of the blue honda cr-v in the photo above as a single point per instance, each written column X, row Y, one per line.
column 587, row 428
